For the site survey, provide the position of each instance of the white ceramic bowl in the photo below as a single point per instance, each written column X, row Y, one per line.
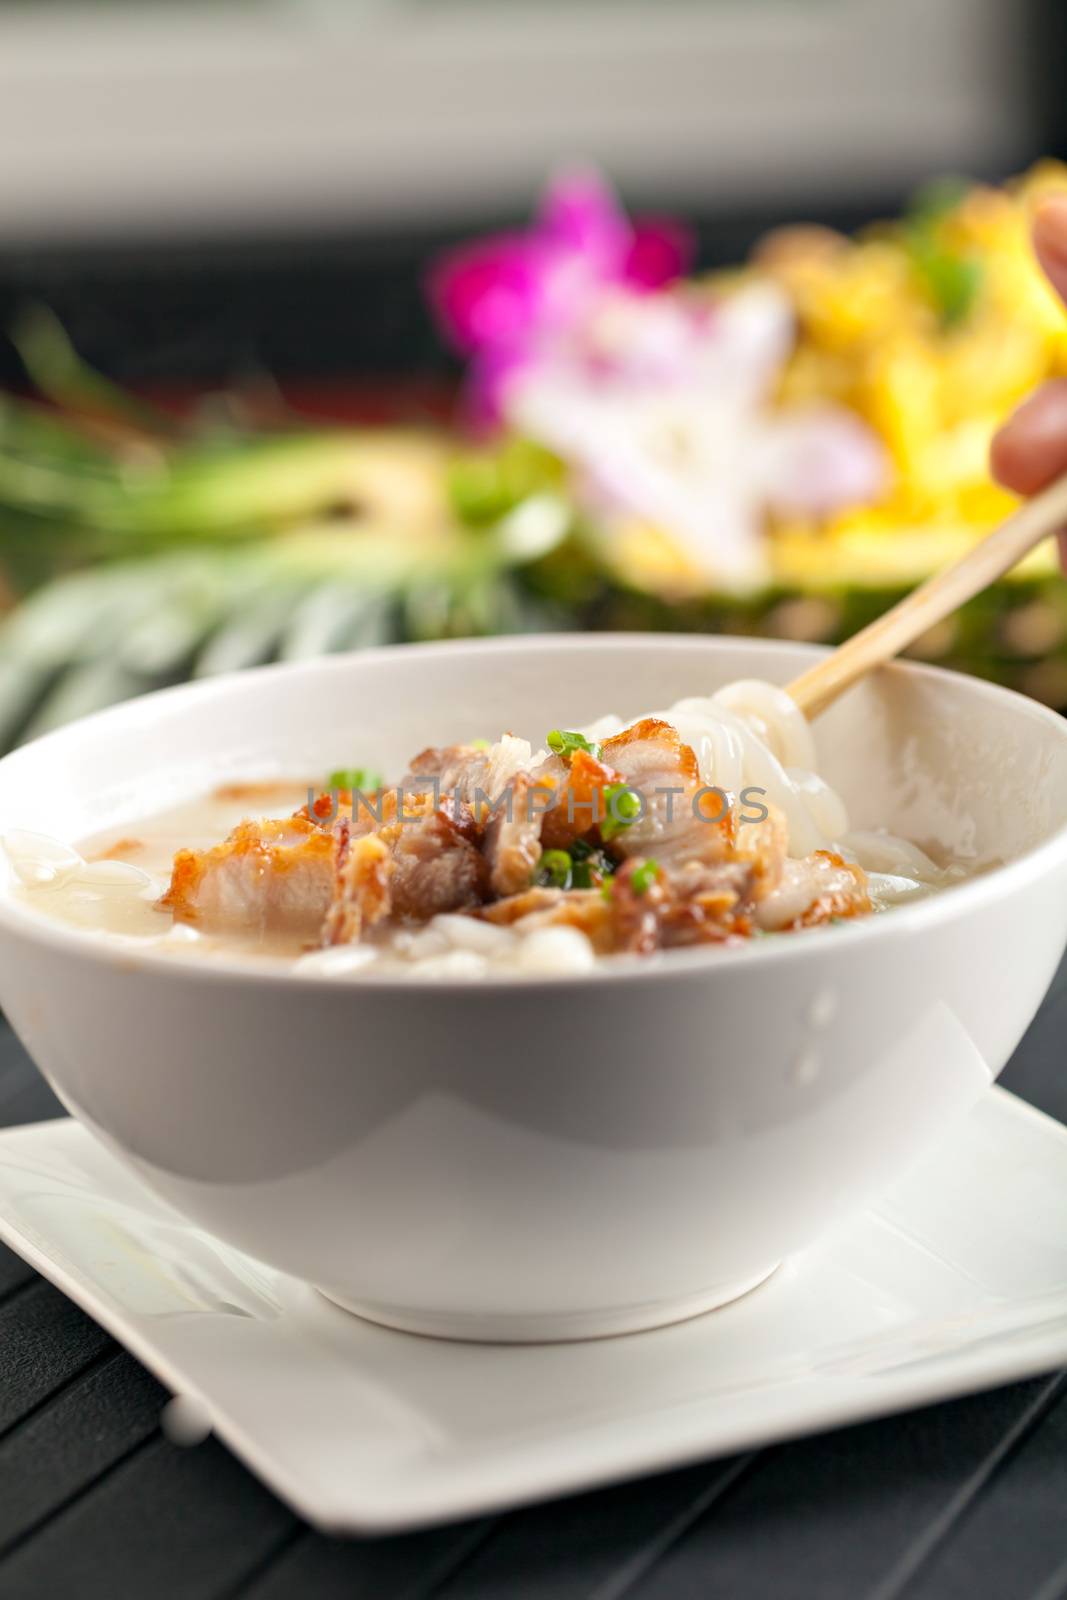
column 541, row 1158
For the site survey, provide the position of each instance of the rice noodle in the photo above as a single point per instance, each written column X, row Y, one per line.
column 752, row 734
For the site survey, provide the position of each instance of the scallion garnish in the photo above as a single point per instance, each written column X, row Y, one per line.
column 622, row 807
column 354, row 778
column 554, row 870
column 591, row 867
column 563, row 743
column 643, row 877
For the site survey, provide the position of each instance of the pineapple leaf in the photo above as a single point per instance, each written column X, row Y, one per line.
column 57, row 371
column 94, row 637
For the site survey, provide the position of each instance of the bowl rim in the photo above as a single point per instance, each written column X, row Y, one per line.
column 132, row 955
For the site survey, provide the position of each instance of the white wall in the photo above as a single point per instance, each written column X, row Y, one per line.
column 154, row 119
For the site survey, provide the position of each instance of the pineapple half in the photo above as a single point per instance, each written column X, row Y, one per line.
column 932, row 328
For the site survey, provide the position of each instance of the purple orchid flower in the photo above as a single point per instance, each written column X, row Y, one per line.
column 499, row 298
column 658, row 395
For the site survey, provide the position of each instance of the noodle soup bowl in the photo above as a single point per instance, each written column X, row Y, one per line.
column 544, row 1158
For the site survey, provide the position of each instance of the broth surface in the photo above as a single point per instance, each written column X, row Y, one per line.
column 151, row 844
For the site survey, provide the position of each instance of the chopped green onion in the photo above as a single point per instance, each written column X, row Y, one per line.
column 622, row 809
column 591, row 867
column 354, row 778
column 563, row 743
column 644, row 876
column 554, row 870
column 479, row 744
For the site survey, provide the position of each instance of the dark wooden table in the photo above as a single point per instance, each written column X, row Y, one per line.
column 964, row 1500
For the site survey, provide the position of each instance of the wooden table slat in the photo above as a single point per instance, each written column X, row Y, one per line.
column 45, row 1340
column 1023, row 1510
column 14, row 1272
column 838, row 1513
column 589, row 1544
column 165, row 1524
column 1037, row 1069
column 408, row 1566
column 65, row 1446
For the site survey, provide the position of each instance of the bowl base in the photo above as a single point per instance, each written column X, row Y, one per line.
column 548, row 1327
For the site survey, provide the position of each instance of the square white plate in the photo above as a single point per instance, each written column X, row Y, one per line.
column 955, row 1282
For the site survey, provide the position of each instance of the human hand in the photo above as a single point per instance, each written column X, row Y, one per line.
column 1031, row 448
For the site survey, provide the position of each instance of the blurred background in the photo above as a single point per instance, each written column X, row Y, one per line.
column 325, row 324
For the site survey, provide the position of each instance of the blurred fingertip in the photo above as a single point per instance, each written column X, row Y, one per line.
column 1050, row 227
column 1003, row 455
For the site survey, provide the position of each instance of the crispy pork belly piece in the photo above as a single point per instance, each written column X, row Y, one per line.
column 571, row 797
column 361, row 891
column 530, row 901
column 679, row 821
column 651, row 752
column 693, row 904
column 267, row 877
column 706, row 904
column 815, row 889
column 637, row 917
column 365, row 812
column 452, row 768
column 584, row 909
column 469, row 773
column 425, row 861
column 512, row 843
column 506, row 760
column 325, row 809
column 496, row 784
column 763, row 847
column 437, row 866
